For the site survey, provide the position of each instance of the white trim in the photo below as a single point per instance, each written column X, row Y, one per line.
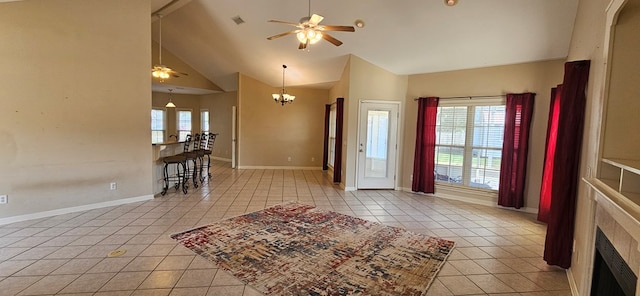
column 349, row 188
column 471, row 200
column 398, row 148
column 63, row 211
column 221, row 158
column 266, row 167
column 572, row 283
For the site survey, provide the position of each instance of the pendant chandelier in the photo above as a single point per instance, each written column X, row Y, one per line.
column 283, row 97
column 170, row 104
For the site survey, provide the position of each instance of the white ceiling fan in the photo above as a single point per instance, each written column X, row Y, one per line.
column 309, row 30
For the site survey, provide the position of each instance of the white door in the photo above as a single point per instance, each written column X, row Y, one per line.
column 377, row 146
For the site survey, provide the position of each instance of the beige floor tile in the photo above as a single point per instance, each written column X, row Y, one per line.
column 110, row 265
column 201, row 291
column 467, row 267
column 88, row 283
column 151, row 292
column 490, row 283
column 8, row 268
column 460, row 285
column 143, row 263
column 125, row 281
column 437, row 288
column 226, row 291
column 13, row 285
column 48, row 285
column 519, row 282
column 494, row 266
column 42, row 267
column 162, row 279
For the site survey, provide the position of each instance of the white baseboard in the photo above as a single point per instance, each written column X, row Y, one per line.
column 473, row 201
column 250, row 167
column 221, row 158
column 63, row 211
column 572, row 283
column 349, row 188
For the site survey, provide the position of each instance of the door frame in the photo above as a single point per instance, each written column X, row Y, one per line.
column 398, row 138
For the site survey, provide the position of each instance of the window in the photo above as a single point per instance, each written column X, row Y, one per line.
column 158, row 125
column 332, row 135
column 204, row 121
column 469, row 139
column 184, row 124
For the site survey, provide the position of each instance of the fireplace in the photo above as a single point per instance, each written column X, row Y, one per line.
column 611, row 274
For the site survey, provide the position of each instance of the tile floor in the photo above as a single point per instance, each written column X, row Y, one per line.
column 498, row 251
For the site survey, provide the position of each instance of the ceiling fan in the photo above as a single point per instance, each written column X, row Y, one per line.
column 309, row 30
column 159, row 70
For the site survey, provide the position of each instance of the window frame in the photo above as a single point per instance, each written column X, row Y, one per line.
column 178, row 130
column 468, row 146
column 332, row 136
column 202, row 121
column 164, row 125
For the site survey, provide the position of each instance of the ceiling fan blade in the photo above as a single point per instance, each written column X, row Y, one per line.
column 330, row 38
column 282, row 34
column 316, row 19
column 302, row 45
column 338, row 28
column 283, row 22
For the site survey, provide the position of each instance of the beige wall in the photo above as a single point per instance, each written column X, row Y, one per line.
column 588, row 43
column 270, row 133
column 367, row 82
column 220, row 109
column 624, row 94
column 193, row 79
column 75, row 113
column 537, row 77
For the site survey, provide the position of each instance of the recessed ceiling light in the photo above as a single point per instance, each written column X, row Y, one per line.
column 359, row 23
column 450, row 2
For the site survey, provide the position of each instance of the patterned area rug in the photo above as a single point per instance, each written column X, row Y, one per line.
column 296, row 249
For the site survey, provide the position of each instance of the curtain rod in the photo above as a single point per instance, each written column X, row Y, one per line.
column 469, row 97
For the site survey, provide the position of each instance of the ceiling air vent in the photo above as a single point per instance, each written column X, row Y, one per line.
column 238, row 20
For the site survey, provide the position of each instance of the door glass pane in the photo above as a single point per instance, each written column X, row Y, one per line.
column 377, row 144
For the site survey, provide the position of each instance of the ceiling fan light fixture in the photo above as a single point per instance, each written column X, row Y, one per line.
column 450, row 2
column 309, row 34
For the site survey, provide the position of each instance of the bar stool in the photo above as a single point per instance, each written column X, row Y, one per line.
column 201, row 153
column 208, row 149
column 180, row 162
column 192, row 157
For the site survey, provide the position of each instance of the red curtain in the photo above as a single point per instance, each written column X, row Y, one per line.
column 549, row 155
column 337, row 163
column 564, row 188
column 513, row 168
column 423, row 163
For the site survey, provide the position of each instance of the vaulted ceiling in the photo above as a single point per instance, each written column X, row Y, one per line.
column 403, row 37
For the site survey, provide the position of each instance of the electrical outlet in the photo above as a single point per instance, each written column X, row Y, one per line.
column 289, row 158
column 4, row 199
column 113, row 186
